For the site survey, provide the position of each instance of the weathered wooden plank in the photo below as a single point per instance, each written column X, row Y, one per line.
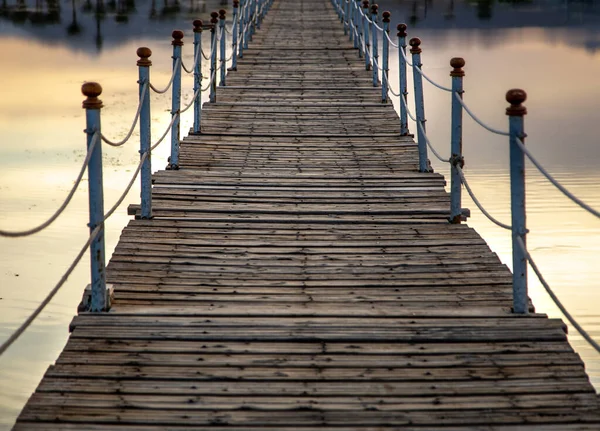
column 300, row 274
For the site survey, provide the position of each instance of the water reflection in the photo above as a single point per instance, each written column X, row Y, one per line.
column 547, row 47
column 88, row 25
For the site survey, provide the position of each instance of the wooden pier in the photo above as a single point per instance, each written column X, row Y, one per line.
column 300, row 274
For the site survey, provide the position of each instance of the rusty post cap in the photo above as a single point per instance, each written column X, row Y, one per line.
column 144, row 54
column 91, row 90
column 177, row 38
column 457, row 63
column 386, row 16
column 222, row 13
column 401, row 30
column 365, row 4
column 516, row 97
column 214, row 17
column 236, row 3
column 415, row 44
column 374, row 9
column 198, row 26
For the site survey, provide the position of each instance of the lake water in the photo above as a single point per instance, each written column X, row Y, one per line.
column 548, row 48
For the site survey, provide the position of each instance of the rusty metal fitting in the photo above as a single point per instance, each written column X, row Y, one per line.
column 401, row 30
column 91, row 90
column 374, row 9
column 198, row 26
column 415, row 44
column 177, row 38
column 365, row 4
column 236, row 3
column 214, row 17
column 457, row 63
column 516, row 97
column 386, row 16
column 222, row 13
column 144, row 54
column 457, row 161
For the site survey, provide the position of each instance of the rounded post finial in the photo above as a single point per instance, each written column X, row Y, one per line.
column 214, row 17
column 198, row 26
column 91, row 90
column 374, row 9
column 236, row 3
column 457, row 64
column 144, row 54
column 386, row 16
column 415, row 44
column 365, row 4
column 177, row 38
column 222, row 13
column 401, row 30
column 516, row 97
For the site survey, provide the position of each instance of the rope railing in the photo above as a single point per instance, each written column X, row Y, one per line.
column 478, row 203
column 428, row 142
column 132, row 128
column 19, row 331
column 362, row 29
column 554, row 181
column 477, row 120
column 166, row 132
column 555, row 299
column 60, row 210
column 99, row 301
column 119, row 201
column 196, row 59
column 164, row 90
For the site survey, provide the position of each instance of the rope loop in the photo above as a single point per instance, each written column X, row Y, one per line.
column 176, row 65
column 552, row 295
column 15, row 335
column 477, row 120
column 60, row 210
column 135, row 121
column 554, row 181
column 476, row 201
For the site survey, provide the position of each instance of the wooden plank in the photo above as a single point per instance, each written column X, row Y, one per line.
column 299, row 273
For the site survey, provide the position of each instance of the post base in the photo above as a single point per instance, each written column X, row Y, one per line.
column 86, row 300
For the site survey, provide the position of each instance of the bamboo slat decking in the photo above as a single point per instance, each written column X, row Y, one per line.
column 300, row 274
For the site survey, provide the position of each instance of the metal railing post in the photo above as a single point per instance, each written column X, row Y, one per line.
column 386, row 56
column 346, row 21
column 516, row 111
column 223, row 53
column 259, row 13
column 456, row 157
column 242, row 26
column 365, row 5
column 234, row 35
column 92, row 106
column 213, row 57
column 358, row 43
column 351, row 20
column 197, row 75
column 246, row 30
column 415, row 50
column 252, row 27
column 144, row 64
column 403, row 79
column 374, row 45
column 176, row 99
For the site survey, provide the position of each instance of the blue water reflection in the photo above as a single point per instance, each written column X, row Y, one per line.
column 50, row 47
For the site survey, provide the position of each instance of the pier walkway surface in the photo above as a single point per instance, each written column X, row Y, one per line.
column 300, row 274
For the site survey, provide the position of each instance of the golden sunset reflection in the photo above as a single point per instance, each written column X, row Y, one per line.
column 42, row 146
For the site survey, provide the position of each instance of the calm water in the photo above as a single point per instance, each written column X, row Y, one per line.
column 547, row 48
